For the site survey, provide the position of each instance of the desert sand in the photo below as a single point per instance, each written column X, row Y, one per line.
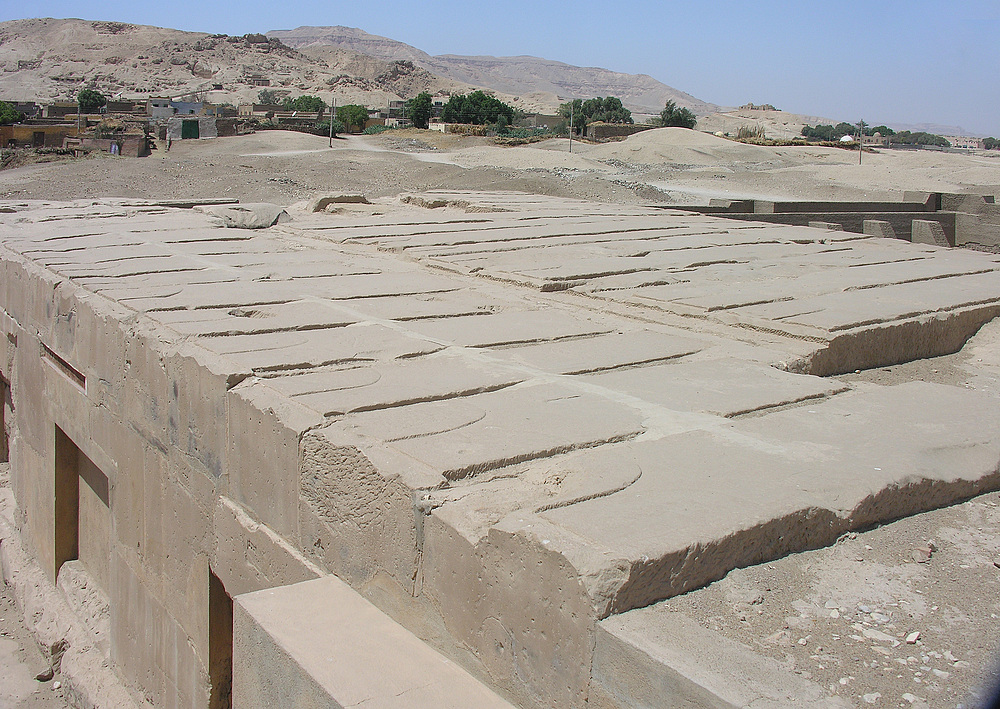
column 669, row 166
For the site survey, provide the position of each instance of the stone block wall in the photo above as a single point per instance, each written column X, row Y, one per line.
column 119, row 447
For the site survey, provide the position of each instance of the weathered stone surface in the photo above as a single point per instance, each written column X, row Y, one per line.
column 284, row 655
column 661, row 660
column 247, row 216
column 505, row 426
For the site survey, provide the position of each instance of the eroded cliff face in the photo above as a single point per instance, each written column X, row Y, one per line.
column 49, row 59
column 542, row 79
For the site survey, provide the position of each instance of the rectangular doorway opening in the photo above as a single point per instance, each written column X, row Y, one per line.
column 189, row 129
column 6, row 420
column 82, row 512
column 220, row 643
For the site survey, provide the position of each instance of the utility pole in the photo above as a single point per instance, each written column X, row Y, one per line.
column 861, row 139
column 333, row 111
column 571, row 125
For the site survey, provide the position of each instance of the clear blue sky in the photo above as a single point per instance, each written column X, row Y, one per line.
column 909, row 62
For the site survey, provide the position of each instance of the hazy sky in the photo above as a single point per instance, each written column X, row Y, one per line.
column 906, row 62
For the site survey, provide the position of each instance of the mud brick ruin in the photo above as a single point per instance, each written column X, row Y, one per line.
column 450, row 450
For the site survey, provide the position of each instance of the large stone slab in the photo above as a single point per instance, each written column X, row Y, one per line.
column 319, row 643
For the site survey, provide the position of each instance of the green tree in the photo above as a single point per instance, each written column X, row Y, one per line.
column 884, row 131
column 827, row 132
column 352, row 115
column 674, row 116
column 573, row 112
column 9, row 115
column 312, row 104
column 991, row 143
column 905, row 137
column 323, row 127
column 268, row 97
column 477, row 108
column 608, row 110
column 91, row 100
column 418, row 109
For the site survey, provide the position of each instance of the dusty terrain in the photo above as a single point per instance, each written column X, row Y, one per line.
column 841, row 615
column 668, row 166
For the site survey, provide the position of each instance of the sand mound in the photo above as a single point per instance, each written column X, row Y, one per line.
column 525, row 158
column 682, row 147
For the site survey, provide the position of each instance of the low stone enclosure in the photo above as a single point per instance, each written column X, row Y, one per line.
column 943, row 219
column 452, row 449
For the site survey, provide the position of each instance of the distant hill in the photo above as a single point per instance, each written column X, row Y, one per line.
column 542, row 80
column 48, row 59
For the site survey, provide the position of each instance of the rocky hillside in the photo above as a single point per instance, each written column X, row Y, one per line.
column 48, row 60
column 542, row 80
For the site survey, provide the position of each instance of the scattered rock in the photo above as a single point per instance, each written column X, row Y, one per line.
column 872, row 698
column 913, row 637
column 320, row 204
column 246, row 216
column 922, row 555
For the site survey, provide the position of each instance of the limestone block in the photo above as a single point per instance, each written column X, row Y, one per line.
column 652, row 658
column 320, row 644
column 33, row 486
column 196, row 406
column 775, row 484
column 467, row 437
column 146, row 402
column 249, row 556
column 928, row 232
column 725, row 387
column 276, row 351
column 604, row 352
column 263, row 454
column 187, row 541
column 100, row 347
column 356, row 516
column 319, row 204
column 443, row 375
column 829, row 226
column 874, row 227
column 538, row 651
column 246, row 216
column 129, row 508
column 221, row 322
column 508, row 327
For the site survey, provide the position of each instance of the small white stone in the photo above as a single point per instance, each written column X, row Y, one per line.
column 941, row 673
column 913, row 637
column 834, row 613
column 56, row 685
column 872, row 698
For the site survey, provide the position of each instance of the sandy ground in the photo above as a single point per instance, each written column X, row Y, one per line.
column 845, row 616
column 666, row 166
column 20, row 660
column 840, row 615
